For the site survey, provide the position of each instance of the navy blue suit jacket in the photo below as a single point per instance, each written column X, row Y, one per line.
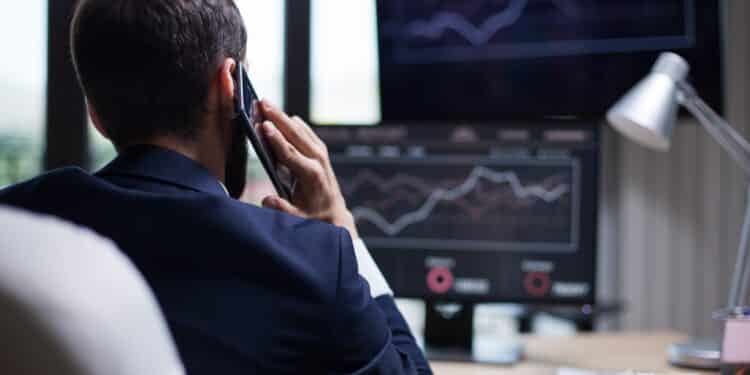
column 244, row 289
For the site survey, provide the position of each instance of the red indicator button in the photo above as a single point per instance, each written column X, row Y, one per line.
column 537, row 284
column 440, row 280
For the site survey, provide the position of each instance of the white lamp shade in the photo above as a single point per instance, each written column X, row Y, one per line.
column 647, row 114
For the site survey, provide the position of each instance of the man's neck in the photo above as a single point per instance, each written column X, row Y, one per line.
column 205, row 153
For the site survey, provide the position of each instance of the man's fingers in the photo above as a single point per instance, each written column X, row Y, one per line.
column 291, row 130
column 319, row 150
column 280, row 204
column 288, row 155
column 308, row 130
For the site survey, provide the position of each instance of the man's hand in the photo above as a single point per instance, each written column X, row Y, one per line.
column 317, row 194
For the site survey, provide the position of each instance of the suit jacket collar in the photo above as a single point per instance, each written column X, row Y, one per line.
column 163, row 165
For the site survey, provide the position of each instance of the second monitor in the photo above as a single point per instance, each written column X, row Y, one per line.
column 475, row 213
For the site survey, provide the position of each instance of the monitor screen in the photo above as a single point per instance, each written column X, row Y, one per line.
column 475, row 212
column 462, row 202
column 493, row 60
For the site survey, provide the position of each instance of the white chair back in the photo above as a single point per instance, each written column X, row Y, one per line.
column 72, row 304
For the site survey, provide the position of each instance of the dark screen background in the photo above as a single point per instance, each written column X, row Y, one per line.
column 494, row 60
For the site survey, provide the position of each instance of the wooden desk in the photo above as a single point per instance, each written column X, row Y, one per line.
column 611, row 352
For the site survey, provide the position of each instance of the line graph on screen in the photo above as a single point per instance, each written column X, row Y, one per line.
column 445, row 21
column 479, row 205
column 438, row 196
column 450, row 30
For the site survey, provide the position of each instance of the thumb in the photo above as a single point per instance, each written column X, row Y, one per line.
column 275, row 203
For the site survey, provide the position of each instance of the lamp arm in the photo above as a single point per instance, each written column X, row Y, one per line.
column 719, row 129
column 737, row 147
column 741, row 276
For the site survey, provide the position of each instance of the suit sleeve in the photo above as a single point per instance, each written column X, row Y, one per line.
column 370, row 335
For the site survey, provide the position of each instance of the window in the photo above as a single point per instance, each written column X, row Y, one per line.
column 23, row 79
column 344, row 66
column 264, row 21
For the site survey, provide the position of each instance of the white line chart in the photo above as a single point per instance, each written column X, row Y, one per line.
column 477, row 35
column 442, row 195
column 419, row 35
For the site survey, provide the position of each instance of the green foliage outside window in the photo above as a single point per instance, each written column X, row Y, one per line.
column 20, row 158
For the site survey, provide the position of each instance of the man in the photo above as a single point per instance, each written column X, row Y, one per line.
column 283, row 289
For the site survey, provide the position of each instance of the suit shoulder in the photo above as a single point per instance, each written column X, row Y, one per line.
column 311, row 232
column 53, row 175
column 311, row 248
column 49, row 179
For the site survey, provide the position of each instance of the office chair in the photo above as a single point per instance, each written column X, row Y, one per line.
column 72, row 304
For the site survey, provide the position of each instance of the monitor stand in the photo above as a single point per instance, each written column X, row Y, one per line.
column 449, row 336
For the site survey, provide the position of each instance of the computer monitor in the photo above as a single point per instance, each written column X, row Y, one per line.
column 459, row 215
column 484, row 60
column 475, row 213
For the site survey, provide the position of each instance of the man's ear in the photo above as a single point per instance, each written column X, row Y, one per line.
column 96, row 121
column 226, row 85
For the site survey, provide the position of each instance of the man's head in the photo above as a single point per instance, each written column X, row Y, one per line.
column 158, row 68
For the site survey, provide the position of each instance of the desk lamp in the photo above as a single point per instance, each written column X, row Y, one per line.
column 647, row 114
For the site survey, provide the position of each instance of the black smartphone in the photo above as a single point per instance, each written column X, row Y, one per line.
column 249, row 114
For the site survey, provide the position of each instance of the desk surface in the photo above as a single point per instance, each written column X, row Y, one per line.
column 611, row 352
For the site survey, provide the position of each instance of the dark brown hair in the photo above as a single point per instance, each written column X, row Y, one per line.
column 146, row 65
